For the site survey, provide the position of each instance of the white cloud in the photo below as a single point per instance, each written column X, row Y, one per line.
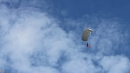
column 79, row 66
column 115, row 64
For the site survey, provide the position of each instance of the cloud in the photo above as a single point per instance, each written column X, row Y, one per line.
column 114, row 64
column 64, row 13
column 80, row 66
column 32, row 41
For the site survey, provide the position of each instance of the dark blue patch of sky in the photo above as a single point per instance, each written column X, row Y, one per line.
column 79, row 8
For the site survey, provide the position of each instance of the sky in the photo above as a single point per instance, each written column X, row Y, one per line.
column 44, row 36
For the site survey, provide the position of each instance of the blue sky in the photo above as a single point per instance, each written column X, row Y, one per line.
column 44, row 36
column 109, row 8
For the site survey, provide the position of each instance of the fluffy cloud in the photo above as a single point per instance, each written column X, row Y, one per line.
column 115, row 64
